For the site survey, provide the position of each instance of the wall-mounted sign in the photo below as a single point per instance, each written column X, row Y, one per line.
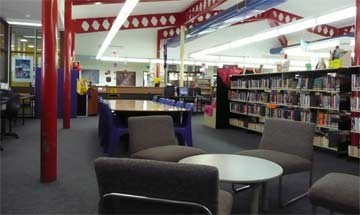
column 22, row 69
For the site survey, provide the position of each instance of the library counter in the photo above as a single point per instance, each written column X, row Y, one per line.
column 117, row 92
column 141, row 106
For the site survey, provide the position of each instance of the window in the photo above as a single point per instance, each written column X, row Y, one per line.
column 3, row 51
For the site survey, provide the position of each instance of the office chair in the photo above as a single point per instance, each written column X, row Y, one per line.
column 12, row 108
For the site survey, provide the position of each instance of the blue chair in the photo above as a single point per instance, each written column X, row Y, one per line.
column 179, row 104
column 155, row 98
column 162, row 100
column 170, row 102
column 113, row 130
column 101, row 117
column 184, row 130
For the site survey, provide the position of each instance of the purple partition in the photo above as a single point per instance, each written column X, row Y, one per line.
column 74, row 77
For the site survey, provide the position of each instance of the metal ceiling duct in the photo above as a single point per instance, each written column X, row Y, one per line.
column 230, row 16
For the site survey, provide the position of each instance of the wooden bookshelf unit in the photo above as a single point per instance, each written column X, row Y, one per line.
column 319, row 96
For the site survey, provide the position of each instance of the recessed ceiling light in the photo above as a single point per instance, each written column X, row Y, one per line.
column 97, row 3
column 30, row 46
column 23, row 40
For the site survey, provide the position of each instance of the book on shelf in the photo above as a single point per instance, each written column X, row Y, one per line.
column 284, row 113
column 256, row 109
column 236, row 95
column 355, row 102
column 355, row 124
column 290, row 83
column 355, row 82
column 328, row 120
column 304, row 100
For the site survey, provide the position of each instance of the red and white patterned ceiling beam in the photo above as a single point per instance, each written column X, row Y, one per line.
column 87, row 2
column 91, row 25
column 346, row 30
column 170, row 32
column 200, row 8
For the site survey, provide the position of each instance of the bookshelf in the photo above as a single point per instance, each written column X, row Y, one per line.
column 353, row 149
column 323, row 97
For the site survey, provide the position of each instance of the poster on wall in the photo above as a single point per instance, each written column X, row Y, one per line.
column 91, row 75
column 126, row 79
column 22, row 69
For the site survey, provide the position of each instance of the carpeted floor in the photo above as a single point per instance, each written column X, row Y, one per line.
column 75, row 191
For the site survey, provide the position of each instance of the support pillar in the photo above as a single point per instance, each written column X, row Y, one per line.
column 48, row 159
column 67, row 65
column 73, row 45
column 182, row 54
column 357, row 34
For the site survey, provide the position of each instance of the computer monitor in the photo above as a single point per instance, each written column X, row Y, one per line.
column 183, row 91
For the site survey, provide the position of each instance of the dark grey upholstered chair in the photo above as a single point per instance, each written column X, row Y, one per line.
column 146, row 186
column 289, row 144
column 153, row 138
column 337, row 192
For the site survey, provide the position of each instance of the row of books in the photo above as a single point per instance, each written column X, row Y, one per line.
column 283, row 113
column 285, row 98
column 355, row 82
column 243, row 108
column 355, row 124
column 239, row 83
column 238, row 95
column 328, row 83
column 259, row 127
column 291, row 114
column 328, row 120
column 320, row 100
column 355, row 103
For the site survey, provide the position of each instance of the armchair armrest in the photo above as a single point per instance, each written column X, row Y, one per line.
column 119, row 203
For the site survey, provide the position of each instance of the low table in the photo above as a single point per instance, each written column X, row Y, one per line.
column 240, row 169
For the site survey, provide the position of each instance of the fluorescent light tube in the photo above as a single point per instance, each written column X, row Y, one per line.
column 297, row 26
column 33, row 24
column 336, row 16
column 282, row 30
column 119, row 21
column 323, row 45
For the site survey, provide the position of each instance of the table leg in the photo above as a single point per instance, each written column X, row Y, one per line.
column 256, row 193
column 264, row 200
column 23, row 111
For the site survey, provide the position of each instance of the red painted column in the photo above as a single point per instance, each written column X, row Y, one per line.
column 67, row 65
column 357, row 34
column 48, row 159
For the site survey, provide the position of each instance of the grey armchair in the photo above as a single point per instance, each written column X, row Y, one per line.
column 337, row 192
column 289, row 144
column 153, row 138
column 156, row 187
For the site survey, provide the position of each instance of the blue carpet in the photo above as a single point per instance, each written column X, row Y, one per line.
column 75, row 191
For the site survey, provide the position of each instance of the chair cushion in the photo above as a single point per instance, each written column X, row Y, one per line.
column 225, row 203
column 172, row 153
column 337, row 192
column 289, row 162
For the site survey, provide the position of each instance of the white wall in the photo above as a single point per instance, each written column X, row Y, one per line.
column 103, row 66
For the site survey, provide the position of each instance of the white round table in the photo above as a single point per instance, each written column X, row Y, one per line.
column 240, row 169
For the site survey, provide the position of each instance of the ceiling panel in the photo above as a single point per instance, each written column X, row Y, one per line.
column 306, row 8
column 106, row 10
column 139, row 43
